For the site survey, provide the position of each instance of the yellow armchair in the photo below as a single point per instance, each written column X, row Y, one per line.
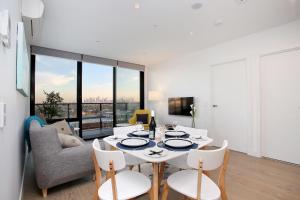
column 133, row 119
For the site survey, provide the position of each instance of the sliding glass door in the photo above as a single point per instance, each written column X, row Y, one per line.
column 97, row 100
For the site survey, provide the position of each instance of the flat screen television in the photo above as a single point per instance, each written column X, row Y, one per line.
column 180, row 105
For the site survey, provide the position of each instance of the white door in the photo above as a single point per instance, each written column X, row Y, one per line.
column 229, row 104
column 281, row 106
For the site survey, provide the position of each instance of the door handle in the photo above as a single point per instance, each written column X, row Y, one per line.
column 214, row 106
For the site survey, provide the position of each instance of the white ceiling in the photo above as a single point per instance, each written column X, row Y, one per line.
column 158, row 30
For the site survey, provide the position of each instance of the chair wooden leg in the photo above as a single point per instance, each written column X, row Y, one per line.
column 45, row 191
column 206, row 173
column 199, row 180
column 139, row 166
column 223, row 194
column 130, row 167
column 150, row 193
column 97, row 177
column 95, row 196
column 107, row 177
column 222, row 173
column 165, row 192
column 113, row 180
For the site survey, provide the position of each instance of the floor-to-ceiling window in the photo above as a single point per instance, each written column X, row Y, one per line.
column 128, row 94
column 55, row 88
column 97, row 100
column 94, row 94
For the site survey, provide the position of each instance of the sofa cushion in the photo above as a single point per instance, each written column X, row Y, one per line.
column 69, row 140
column 34, row 124
column 142, row 118
column 62, row 127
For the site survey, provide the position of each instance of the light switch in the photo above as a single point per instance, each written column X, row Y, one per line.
column 5, row 28
column 2, row 114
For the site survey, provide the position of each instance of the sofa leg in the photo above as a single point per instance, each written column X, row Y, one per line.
column 44, row 191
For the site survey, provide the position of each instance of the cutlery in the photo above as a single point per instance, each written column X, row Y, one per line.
column 197, row 138
column 117, row 138
column 155, row 152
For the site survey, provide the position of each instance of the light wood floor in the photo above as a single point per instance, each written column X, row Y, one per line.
column 247, row 178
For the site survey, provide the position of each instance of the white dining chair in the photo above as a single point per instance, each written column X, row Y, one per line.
column 196, row 184
column 181, row 162
column 131, row 161
column 119, row 185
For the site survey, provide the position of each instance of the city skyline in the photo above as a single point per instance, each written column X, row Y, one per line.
column 60, row 75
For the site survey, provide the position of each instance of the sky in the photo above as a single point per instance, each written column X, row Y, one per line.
column 60, row 75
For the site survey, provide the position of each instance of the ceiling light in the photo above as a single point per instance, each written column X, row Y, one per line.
column 196, row 6
column 191, row 33
column 241, row 1
column 136, row 5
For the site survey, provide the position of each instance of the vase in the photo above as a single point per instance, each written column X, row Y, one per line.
column 193, row 122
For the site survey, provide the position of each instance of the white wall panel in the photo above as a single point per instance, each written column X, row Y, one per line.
column 189, row 75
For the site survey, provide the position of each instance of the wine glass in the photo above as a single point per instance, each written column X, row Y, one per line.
column 162, row 132
column 139, row 126
column 174, row 124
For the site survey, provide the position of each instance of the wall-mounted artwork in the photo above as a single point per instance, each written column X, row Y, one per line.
column 22, row 61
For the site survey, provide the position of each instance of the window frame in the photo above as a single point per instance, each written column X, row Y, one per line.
column 61, row 54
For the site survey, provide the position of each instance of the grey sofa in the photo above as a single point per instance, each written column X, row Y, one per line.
column 53, row 164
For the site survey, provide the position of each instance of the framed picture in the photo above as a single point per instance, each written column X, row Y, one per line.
column 22, row 75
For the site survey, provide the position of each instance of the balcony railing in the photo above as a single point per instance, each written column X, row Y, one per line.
column 95, row 115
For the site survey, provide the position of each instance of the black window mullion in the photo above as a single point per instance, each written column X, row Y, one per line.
column 79, row 95
column 114, row 96
column 142, row 90
column 32, row 85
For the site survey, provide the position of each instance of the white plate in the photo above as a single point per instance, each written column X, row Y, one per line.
column 134, row 142
column 178, row 143
column 175, row 133
column 140, row 133
column 149, row 152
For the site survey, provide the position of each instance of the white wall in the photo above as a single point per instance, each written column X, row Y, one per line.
column 11, row 137
column 189, row 75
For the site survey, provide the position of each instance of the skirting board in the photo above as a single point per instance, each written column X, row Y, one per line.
column 23, row 173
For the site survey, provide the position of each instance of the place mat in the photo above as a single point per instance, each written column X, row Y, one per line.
column 162, row 145
column 149, row 145
column 130, row 135
column 184, row 136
